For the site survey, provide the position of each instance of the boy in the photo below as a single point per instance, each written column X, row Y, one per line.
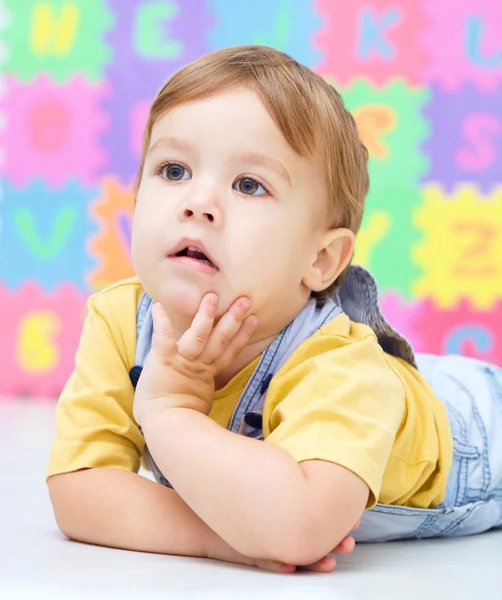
column 250, row 192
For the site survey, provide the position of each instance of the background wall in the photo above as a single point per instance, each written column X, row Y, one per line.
column 423, row 78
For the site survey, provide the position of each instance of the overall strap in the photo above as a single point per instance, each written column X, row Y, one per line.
column 246, row 418
column 359, row 298
column 144, row 329
column 144, row 332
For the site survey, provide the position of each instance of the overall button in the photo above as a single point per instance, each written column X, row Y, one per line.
column 254, row 420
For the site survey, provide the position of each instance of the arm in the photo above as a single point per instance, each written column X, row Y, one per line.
column 255, row 496
column 120, row 509
column 96, row 494
column 261, row 498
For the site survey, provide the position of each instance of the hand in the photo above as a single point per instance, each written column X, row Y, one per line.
column 180, row 374
column 326, row 564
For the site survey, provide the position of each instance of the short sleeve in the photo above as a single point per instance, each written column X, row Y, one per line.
column 94, row 421
column 337, row 400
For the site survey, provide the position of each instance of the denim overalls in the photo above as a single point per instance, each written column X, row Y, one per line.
column 471, row 391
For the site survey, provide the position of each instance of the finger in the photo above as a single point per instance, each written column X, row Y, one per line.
column 237, row 344
column 275, row 566
column 163, row 340
column 346, row 546
column 325, row 565
column 226, row 329
column 194, row 340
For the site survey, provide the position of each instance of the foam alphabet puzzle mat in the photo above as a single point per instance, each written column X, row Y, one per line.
column 422, row 78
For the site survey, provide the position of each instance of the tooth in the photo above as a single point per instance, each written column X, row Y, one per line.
column 193, row 248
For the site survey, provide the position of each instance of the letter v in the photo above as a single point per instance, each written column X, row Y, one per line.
column 63, row 227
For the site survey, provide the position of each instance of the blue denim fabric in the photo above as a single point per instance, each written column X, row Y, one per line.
column 472, row 393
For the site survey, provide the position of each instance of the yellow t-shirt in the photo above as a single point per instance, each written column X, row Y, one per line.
column 338, row 398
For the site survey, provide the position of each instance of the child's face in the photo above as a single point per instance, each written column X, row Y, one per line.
column 219, row 176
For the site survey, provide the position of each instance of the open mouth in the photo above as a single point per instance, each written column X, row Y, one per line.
column 197, row 254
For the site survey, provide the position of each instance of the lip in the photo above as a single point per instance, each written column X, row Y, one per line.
column 192, row 262
column 193, row 265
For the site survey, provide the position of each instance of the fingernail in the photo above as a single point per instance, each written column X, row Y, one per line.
column 245, row 304
column 213, row 299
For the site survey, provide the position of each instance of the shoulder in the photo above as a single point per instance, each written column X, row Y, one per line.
column 341, row 350
column 111, row 313
column 337, row 399
column 337, row 335
column 118, row 299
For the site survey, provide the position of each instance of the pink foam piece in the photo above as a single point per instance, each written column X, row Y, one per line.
column 346, row 24
column 53, row 131
column 453, row 59
column 462, row 330
column 404, row 318
column 37, row 361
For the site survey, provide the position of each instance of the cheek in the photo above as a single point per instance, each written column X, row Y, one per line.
column 144, row 237
column 136, row 234
column 267, row 263
column 285, row 243
column 149, row 217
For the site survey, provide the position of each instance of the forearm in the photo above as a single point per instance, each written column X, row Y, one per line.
column 120, row 509
column 255, row 496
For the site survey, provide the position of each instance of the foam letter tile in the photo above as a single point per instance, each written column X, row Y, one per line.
column 113, row 211
column 462, row 329
column 150, row 40
column 460, row 254
column 40, row 335
column 379, row 39
column 287, row 26
column 53, row 132
column 464, row 43
column 44, row 233
column 391, row 126
column 57, row 37
column 466, row 137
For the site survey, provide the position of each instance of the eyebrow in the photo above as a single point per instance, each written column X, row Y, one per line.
column 271, row 164
column 253, row 158
column 173, row 143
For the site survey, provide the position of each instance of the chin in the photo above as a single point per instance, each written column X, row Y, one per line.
column 184, row 303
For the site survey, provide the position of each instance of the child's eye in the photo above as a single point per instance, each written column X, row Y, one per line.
column 249, row 186
column 174, row 172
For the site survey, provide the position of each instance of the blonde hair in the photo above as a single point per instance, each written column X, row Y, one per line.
column 309, row 112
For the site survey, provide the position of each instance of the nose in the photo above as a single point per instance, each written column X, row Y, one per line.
column 189, row 213
column 202, row 207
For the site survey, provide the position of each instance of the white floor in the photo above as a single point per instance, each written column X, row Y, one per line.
column 37, row 562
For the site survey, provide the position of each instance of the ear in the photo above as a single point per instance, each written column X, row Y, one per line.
column 334, row 254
